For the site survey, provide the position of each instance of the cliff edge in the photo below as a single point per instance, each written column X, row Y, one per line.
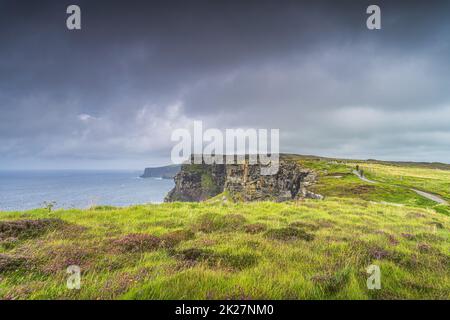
column 198, row 182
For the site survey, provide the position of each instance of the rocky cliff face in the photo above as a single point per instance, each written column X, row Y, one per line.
column 197, row 182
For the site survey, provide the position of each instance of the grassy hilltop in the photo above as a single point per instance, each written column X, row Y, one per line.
column 394, row 181
column 313, row 249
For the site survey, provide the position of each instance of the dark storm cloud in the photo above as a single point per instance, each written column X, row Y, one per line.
column 113, row 92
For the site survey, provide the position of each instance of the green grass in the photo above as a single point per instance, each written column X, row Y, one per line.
column 432, row 180
column 394, row 182
column 221, row 250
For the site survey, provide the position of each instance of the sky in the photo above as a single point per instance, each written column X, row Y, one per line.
column 110, row 95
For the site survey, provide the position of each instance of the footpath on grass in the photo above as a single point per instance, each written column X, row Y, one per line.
column 424, row 194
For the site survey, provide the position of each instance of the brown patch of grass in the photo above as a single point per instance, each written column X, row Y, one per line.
column 9, row 243
column 207, row 242
column 184, row 264
column 408, row 236
column 325, row 224
column 255, row 228
column 304, row 225
column 193, row 254
column 69, row 231
column 123, row 281
column 392, row 240
column 223, row 260
column 368, row 251
column 58, row 258
column 26, row 229
column 172, row 239
column 136, row 242
column 238, row 294
column 423, row 247
column 361, row 189
column 10, row 263
column 378, row 253
column 331, row 282
column 23, row 291
column 289, row 234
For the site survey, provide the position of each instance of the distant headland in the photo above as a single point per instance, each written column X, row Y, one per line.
column 165, row 172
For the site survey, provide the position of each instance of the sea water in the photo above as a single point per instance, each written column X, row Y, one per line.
column 22, row 190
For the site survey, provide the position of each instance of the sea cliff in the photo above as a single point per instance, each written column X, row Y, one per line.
column 198, row 182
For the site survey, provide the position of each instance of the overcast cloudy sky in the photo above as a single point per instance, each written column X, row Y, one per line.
column 109, row 95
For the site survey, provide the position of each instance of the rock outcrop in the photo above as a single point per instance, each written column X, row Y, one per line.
column 198, row 182
column 166, row 172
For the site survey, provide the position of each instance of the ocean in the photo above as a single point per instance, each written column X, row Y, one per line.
column 23, row 190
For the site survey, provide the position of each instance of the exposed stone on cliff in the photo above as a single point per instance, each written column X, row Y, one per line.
column 198, row 182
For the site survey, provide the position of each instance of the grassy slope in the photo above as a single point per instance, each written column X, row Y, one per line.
column 300, row 250
column 394, row 181
column 410, row 245
column 433, row 180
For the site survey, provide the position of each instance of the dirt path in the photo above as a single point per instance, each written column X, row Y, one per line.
column 424, row 194
column 430, row 196
column 362, row 177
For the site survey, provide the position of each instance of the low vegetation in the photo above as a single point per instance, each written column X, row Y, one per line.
column 217, row 249
column 221, row 250
column 395, row 181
